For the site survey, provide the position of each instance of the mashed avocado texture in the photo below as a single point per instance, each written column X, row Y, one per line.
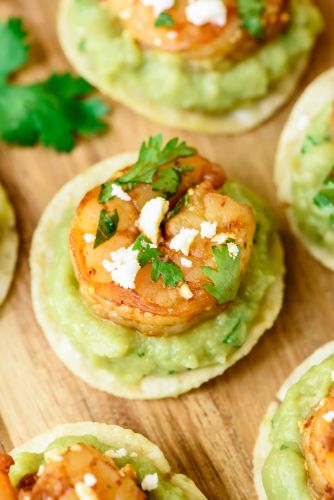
column 27, row 463
column 129, row 355
column 284, row 473
column 172, row 80
column 312, row 181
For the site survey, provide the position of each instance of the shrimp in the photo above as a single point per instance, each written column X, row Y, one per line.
column 6, row 489
column 150, row 305
column 77, row 473
column 318, row 445
column 206, row 41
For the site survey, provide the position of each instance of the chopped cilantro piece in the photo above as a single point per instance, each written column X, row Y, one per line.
column 107, row 227
column 184, row 200
column 151, row 156
column 283, row 447
column 225, row 279
column 170, row 273
column 329, row 181
column 169, row 180
column 324, row 198
column 164, row 19
column 52, row 111
column 106, row 192
column 233, row 338
column 251, row 13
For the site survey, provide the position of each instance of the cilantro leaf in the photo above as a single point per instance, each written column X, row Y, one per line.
column 324, row 199
column 14, row 49
column 184, row 200
column 225, row 279
column 170, row 273
column 151, row 156
column 147, row 252
column 251, row 13
column 169, row 180
column 52, row 111
column 107, row 227
column 164, row 19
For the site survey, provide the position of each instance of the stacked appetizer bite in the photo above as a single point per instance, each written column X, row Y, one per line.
column 293, row 457
column 90, row 461
column 8, row 243
column 153, row 273
column 305, row 169
column 207, row 65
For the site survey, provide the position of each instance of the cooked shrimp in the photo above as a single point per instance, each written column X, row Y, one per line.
column 7, row 492
column 318, row 445
column 152, row 307
column 78, row 473
column 209, row 40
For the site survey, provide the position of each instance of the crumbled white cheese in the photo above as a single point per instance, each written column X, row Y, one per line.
column 233, row 250
column 41, row 470
column 150, row 482
column 54, row 456
column 186, row 262
column 185, row 292
column 118, row 191
column 89, row 479
column 329, row 416
column 151, row 217
column 85, row 492
column 208, row 229
column 123, row 267
column 221, row 238
column 89, row 238
column 117, row 453
column 172, row 35
column 159, row 6
column 200, row 12
column 183, row 240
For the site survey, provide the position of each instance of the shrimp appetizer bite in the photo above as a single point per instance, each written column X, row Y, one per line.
column 217, row 66
column 293, row 456
column 304, row 171
column 91, row 461
column 8, row 244
column 153, row 273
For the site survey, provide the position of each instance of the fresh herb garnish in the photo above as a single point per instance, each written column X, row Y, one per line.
column 170, row 273
column 169, row 180
column 324, row 199
column 152, row 156
column 164, row 19
column 251, row 13
column 184, row 200
column 225, row 279
column 283, row 447
column 51, row 111
column 107, row 226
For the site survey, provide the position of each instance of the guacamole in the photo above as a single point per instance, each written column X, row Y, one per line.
column 129, row 355
column 209, row 86
column 312, row 184
column 284, row 473
column 27, row 463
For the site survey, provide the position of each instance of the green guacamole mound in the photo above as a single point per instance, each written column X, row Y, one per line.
column 118, row 62
column 284, row 473
column 29, row 463
column 129, row 355
column 311, row 168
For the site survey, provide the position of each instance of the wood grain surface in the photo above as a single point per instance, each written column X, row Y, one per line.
column 209, row 433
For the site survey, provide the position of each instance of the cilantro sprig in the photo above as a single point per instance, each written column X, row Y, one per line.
column 170, row 273
column 324, row 199
column 107, row 226
column 226, row 278
column 251, row 13
column 52, row 111
column 147, row 169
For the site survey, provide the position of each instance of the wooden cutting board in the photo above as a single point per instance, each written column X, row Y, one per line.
column 209, row 433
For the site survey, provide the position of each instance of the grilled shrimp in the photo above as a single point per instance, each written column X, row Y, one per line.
column 78, row 473
column 7, row 492
column 209, row 40
column 195, row 220
column 318, row 445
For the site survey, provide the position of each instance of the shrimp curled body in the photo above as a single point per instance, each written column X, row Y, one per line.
column 150, row 306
